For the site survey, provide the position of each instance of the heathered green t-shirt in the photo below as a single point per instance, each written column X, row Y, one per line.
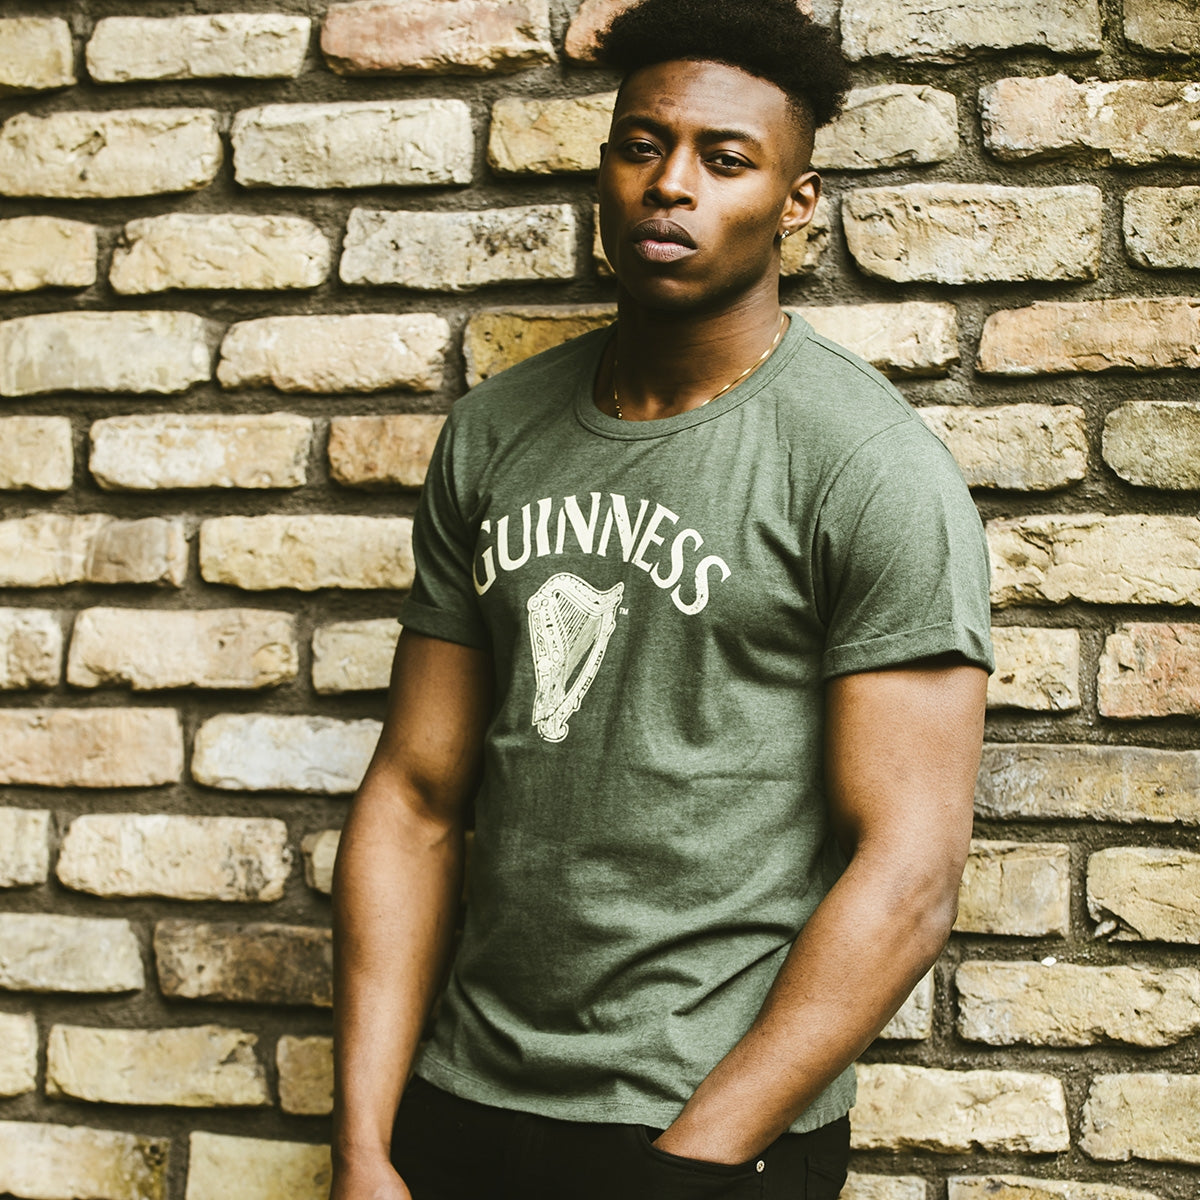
column 663, row 602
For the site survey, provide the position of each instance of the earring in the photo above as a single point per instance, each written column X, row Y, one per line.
column 785, row 234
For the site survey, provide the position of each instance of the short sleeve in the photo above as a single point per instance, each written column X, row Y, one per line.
column 902, row 557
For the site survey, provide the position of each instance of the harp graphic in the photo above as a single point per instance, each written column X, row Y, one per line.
column 570, row 623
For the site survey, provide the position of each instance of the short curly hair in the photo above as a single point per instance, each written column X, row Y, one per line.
column 771, row 39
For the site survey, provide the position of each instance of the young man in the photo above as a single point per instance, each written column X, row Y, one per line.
column 700, row 633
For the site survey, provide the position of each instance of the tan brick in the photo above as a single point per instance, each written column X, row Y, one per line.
column 221, row 45
column 245, row 964
column 257, row 752
column 204, row 450
column 52, row 549
column 956, row 1112
column 1155, row 443
column 219, row 250
column 354, row 656
column 458, row 251
column 1016, row 889
column 388, row 451
column 307, row 552
column 1131, row 122
column 30, row 648
column 915, row 30
column 204, row 1066
column 24, row 847
column 1150, row 670
column 1019, row 447
column 911, row 338
column 1015, row 1187
column 549, row 136
column 1036, row 669
column 264, row 1170
column 1145, row 893
column 320, row 851
column 1150, row 1116
column 1125, row 784
column 1162, row 26
column 41, row 252
column 104, row 155
column 914, row 1020
column 18, row 1047
column 1098, row 559
column 1162, row 227
column 44, row 953
column 305, row 1074
column 356, row 352
column 181, row 858
column 159, row 352
column 892, row 125
column 354, row 143
column 1061, row 1004
column 36, row 54
column 974, row 233
column 94, row 747
column 882, row 1187
column 62, row 1162
column 36, row 454
column 498, row 338
column 436, row 37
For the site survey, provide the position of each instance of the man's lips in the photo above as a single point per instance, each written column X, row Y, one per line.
column 661, row 241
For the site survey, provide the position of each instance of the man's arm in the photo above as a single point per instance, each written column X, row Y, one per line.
column 902, row 750
column 396, row 886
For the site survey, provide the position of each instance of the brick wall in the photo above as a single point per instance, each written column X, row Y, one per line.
column 248, row 259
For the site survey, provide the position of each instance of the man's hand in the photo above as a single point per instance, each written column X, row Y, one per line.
column 368, row 1181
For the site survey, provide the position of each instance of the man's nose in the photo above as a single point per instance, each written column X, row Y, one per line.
column 674, row 184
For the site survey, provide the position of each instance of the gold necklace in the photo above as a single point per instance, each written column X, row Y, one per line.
column 758, row 362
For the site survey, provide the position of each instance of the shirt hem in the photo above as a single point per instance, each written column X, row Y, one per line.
column 895, row 649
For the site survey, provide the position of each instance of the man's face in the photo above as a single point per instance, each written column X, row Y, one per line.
column 704, row 167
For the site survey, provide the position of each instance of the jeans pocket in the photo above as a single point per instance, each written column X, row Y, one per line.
column 662, row 1175
column 824, row 1177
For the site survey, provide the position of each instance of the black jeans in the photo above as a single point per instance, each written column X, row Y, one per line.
column 451, row 1149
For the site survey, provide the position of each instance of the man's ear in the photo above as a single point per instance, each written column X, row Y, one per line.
column 603, row 151
column 801, row 203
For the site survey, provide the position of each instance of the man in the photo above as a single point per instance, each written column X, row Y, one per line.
column 700, row 632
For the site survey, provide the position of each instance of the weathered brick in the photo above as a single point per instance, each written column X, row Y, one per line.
column 436, row 37
column 355, row 352
column 30, row 648
column 156, row 352
column 258, row 752
column 93, row 747
column 974, row 232
column 912, row 338
column 882, row 1187
column 549, row 136
column 36, row 54
column 1124, row 559
column 181, row 858
column 1062, row 1004
column 18, row 1046
column 204, row 450
column 24, row 847
column 103, row 155
column 388, row 451
column 459, row 251
column 44, row 953
column 52, row 549
column 1162, row 26
column 1162, row 227
column 892, row 125
column 1150, row 670
column 307, row 552
column 264, row 1170
column 1126, row 784
column 1131, row 122
column 220, row 45
column 36, row 454
column 245, row 964
column 1021, row 447
column 305, row 1074
column 1155, row 443
column 320, row 851
column 915, row 30
column 41, row 252
column 914, row 1020
column 956, row 1112
column 354, row 143
column 354, row 656
column 1016, row 889
column 1150, row 1116
column 1036, row 669
column 62, row 1162
column 1145, row 893
column 204, row 1066
column 219, row 250
column 1015, row 1187
column 498, row 338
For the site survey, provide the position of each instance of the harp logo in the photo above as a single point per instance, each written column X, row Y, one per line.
column 570, row 624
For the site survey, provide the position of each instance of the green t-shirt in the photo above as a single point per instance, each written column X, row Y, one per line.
column 663, row 602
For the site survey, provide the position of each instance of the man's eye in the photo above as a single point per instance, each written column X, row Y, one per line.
column 727, row 162
column 641, row 149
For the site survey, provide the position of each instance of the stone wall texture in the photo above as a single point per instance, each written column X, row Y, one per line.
column 252, row 251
